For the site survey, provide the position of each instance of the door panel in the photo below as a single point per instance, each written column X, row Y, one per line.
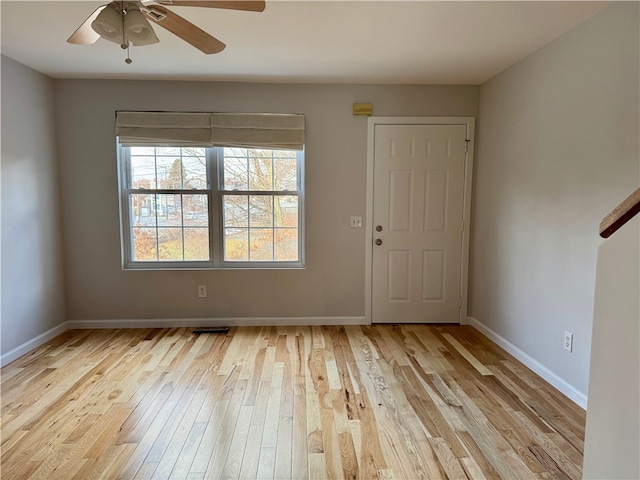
column 433, row 275
column 418, row 202
column 435, row 201
column 399, row 281
column 400, row 198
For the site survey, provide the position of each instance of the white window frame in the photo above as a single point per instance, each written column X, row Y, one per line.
column 214, row 191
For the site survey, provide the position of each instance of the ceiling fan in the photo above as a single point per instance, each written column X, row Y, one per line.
column 127, row 22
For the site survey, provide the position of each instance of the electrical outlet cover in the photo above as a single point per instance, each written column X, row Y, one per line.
column 356, row 222
column 568, row 341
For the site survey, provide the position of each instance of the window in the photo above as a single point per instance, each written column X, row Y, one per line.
column 259, row 193
column 189, row 207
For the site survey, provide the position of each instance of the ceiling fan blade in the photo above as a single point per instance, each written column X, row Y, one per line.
column 85, row 35
column 183, row 28
column 247, row 5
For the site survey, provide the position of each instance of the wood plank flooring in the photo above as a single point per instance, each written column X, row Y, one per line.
column 388, row 402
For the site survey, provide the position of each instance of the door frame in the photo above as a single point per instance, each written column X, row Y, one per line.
column 469, row 122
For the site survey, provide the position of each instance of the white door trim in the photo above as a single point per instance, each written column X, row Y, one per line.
column 468, row 178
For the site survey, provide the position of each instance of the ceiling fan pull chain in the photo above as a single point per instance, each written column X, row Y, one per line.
column 125, row 42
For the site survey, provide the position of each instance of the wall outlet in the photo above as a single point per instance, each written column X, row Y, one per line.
column 356, row 222
column 202, row 291
column 568, row 341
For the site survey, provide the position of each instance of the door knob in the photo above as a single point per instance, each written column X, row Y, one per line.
column 378, row 228
column 378, row 241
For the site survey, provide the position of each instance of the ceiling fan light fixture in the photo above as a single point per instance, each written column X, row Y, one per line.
column 128, row 22
column 108, row 24
column 137, row 29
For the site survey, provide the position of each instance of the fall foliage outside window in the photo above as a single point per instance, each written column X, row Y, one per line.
column 211, row 207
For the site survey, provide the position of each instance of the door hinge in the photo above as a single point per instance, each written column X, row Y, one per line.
column 459, row 302
column 466, row 145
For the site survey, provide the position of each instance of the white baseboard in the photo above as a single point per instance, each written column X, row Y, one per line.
column 26, row 347
column 213, row 322
column 569, row 390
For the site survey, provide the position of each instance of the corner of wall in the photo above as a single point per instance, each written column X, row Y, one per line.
column 578, row 397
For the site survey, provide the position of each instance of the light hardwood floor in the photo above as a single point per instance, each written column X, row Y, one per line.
column 403, row 401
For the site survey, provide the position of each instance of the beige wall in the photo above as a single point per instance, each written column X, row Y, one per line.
column 333, row 282
column 557, row 149
column 32, row 278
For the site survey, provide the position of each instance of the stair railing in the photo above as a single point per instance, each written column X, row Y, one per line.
column 620, row 215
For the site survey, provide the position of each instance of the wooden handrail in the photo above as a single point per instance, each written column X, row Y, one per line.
column 620, row 215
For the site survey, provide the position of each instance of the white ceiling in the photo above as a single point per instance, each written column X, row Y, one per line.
column 414, row 42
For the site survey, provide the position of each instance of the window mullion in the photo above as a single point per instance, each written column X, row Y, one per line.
column 145, row 191
column 300, row 176
column 266, row 193
column 125, row 205
column 154, row 203
column 182, row 224
column 215, row 204
column 157, row 239
column 273, row 208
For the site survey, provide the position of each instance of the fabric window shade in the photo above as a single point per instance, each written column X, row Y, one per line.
column 249, row 130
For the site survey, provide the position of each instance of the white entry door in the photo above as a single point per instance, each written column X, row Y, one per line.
column 418, row 207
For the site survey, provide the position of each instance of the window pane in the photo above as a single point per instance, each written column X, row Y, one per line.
column 196, row 244
column 261, row 210
column 285, row 210
column 142, row 151
column 235, row 152
column 285, row 173
column 236, row 210
column 142, row 211
column 261, row 244
column 169, row 210
column 284, row 153
column 286, row 244
column 260, row 173
column 144, row 244
column 194, row 151
column 170, row 244
column 169, row 172
column 235, row 173
column 236, row 244
column 195, row 208
column 143, row 172
column 170, row 151
column 259, row 152
column 195, row 172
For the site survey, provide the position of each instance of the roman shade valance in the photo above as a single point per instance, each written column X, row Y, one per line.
column 251, row 130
